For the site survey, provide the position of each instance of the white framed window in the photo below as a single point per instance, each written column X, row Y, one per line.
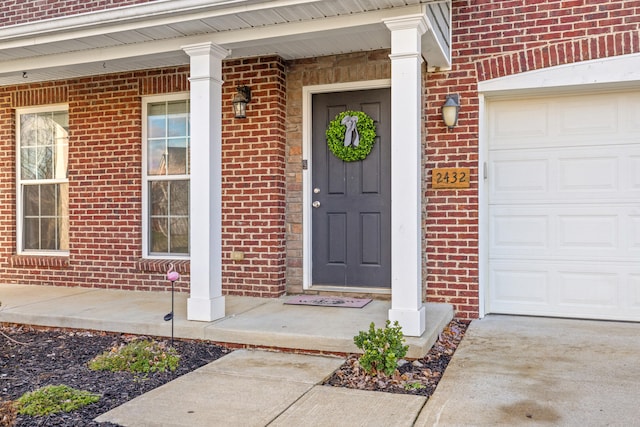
column 165, row 176
column 42, row 136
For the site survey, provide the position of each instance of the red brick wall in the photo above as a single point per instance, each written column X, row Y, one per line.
column 105, row 121
column 254, row 178
column 22, row 11
column 493, row 39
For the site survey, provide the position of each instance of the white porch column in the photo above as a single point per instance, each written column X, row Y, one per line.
column 206, row 302
column 406, row 208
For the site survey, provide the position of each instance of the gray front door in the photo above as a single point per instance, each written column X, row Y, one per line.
column 351, row 217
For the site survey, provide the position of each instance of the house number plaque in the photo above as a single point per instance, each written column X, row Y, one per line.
column 450, row 178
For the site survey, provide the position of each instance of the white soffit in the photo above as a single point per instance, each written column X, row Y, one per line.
column 152, row 34
column 596, row 74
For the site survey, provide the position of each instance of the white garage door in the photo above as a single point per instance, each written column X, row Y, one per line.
column 564, row 206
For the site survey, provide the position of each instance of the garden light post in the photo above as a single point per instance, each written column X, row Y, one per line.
column 172, row 276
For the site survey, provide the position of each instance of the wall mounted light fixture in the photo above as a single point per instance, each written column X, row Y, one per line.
column 240, row 101
column 450, row 110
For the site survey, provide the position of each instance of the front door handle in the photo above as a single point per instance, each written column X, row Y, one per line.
column 316, row 204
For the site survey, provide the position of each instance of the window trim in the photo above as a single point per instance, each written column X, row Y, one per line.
column 178, row 96
column 20, row 250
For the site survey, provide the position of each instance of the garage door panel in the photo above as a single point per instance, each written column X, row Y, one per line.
column 519, row 177
column 563, row 175
column 578, row 118
column 567, row 289
column 581, row 174
column 513, row 283
column 634, row 236
column 634, row 291
column 564, row 206
column 634, row 176
column 524, row 121
column 588, row 232
column 596, row 289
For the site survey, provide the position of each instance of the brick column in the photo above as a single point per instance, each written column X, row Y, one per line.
column 206, row 302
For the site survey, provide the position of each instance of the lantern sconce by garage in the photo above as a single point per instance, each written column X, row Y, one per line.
column 240, row 101
column 450, row 110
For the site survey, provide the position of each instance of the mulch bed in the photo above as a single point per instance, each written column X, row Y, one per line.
column 60, row 357
column 419, row 377
column 32, row 358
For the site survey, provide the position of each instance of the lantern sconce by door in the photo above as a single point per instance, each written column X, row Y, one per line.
column 240, row 101
column 450, row 110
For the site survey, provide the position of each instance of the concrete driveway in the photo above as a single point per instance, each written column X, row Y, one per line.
column 512, row 370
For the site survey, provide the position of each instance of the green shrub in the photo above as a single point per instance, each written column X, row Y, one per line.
column 142, row 356
column 382, row 348
column 54, row 398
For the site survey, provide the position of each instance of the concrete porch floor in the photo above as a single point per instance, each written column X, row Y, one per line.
column 249, row 321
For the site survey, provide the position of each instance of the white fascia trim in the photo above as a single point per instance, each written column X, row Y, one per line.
column 136, row 17
column 228, row 39
column 597, row 72
column 160, row 12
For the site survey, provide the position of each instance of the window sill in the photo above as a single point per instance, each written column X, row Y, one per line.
column 163, row 265
column 39, row 261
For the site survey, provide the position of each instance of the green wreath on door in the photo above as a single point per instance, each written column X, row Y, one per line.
column 351, row 135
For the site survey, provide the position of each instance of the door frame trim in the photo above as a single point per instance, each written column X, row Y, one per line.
column 307, row 244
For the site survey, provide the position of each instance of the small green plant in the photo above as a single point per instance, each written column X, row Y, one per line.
column 414, row 386
column 54, row 398
column 141, row 356
column 382, row 348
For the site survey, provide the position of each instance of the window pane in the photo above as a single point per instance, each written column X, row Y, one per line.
column 48, row 234
column 159, row 235
column 156, row 120
column 63, row 217
column 31, row 200
column 180, row 235
column 177, row 164
column 159, row 195
column 61, row 154
column 45, row 162
column 48, row 200
column 28, row 130
column 179, row 198
column 61, row 118
column 178, row 118
column 28, row 163
column 156, row 159
column 31, row 233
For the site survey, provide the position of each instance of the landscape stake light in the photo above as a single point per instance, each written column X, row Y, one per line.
column 172, row 276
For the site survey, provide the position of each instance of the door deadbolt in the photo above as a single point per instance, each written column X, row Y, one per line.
column 316, row 190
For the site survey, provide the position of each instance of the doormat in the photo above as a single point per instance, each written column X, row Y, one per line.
column 327, row 301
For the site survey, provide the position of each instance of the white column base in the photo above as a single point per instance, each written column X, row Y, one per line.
column 205, row 309
column 413, row 322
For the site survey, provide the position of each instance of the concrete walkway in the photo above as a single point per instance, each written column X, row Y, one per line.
column 258, row 388
column 512, row 371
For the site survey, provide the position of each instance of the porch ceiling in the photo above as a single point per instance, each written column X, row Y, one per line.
column 152, row 34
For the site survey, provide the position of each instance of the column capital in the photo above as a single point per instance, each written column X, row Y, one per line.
column 207, row 48
column 417, row 22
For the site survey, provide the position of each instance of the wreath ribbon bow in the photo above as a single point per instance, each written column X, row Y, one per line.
column 351, row 134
